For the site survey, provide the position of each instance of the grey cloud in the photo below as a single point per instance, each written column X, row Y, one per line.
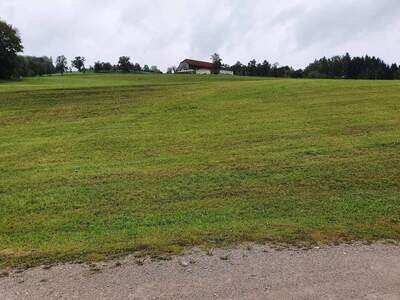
column 164, row 32
column 342, row 20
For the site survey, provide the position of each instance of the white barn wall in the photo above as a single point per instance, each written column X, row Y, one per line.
column 226, row 72
column 203, row 72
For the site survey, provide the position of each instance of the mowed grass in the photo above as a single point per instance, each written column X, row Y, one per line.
column 97, row 165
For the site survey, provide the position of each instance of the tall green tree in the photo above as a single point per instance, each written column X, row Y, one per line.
column 252, row 68
column 137, row 67
column 265, row 68
column 146, row 68
column 124, row 64
column 79, row 63
column 217, row 62
column 10, row 46
column 61, row 64
column 238, row 68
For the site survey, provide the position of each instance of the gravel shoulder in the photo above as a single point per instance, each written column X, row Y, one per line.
column 248, row 272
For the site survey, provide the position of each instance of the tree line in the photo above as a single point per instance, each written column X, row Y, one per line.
column 13, row 65
column 265, row 69
column 124, row 65
column 365, row 67
column 337, row 67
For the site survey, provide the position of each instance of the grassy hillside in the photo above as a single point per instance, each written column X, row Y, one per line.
column 104, row 164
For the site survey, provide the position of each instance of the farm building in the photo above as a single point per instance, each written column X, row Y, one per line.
column 192, row 66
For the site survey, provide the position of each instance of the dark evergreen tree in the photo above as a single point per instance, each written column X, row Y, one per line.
column 137, row 67
column 146, row 68
column 265, row 68
column 251, row 69
column 366, row 67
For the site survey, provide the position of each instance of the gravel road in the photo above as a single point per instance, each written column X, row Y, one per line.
column 249, row 272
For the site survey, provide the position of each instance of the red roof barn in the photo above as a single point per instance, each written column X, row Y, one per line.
column 195, row 66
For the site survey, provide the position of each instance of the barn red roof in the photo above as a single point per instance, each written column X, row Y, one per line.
column 199, row 64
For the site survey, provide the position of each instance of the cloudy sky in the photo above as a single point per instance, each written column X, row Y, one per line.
column 163, row 32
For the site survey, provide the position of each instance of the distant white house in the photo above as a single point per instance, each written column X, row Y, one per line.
column 191, row 66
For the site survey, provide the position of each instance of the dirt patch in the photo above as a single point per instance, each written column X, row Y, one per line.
column 249, row 272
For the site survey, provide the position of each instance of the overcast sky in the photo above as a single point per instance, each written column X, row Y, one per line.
column 164, row 32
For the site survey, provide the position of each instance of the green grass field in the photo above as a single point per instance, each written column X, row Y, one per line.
column 97, row 165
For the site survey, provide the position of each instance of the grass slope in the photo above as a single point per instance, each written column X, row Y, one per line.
column 103, row 164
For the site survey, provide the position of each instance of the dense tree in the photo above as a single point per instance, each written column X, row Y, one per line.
column 79, row 63
column 100, row 67
column 365, row 67
column 34, row 66
column 107, row 67
column 297, row 73
column 265, row 68
column 124, row 64
column 10, row 46
column 146, row 68
column 252, row 68
column 137, row 67
column 238, row 69
column 217, row 62
column 394, row 71
column 97, row 67
column 345, row 66
column 61, row 64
